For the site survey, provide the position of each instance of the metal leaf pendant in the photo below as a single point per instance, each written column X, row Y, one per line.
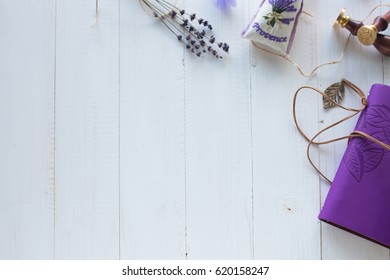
column 335, row 92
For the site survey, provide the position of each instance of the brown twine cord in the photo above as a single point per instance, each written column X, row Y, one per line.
column 304, row 12
column 373, row 10
column 299, row 68
column 96, row 14
column 352, row 135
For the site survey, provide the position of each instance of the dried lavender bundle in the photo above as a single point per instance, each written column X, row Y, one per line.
column 188, row 28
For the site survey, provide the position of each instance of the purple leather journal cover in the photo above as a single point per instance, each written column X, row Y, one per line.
column 359, row 199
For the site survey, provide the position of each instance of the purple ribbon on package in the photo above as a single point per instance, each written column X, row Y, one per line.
column 359, row 199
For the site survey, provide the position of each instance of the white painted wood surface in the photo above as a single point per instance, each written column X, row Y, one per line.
column 116, row 143
column 286, row 192
column 87, row 131
column 152, row 141
column 27, row 79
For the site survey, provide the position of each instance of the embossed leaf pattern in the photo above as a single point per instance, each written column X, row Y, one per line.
column 381, row 136
column 335, row 92
column 372, row 155
column 364, row 155
column 387, row 134
column 354, row 161
column 378, row 116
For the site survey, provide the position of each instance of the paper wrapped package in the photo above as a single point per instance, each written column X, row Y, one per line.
column 274, row 25
column 359, row 199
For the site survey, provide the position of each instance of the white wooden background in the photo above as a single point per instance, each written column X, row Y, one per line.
column 117, row 143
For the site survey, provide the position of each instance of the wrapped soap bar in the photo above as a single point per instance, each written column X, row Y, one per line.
column 274, row 25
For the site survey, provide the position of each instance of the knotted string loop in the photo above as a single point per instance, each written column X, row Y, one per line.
column 312, row 140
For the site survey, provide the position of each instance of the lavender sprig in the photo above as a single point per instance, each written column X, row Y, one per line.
column 280, row 6
column 182, row 25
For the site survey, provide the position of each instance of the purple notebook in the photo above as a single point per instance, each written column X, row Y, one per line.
column 359, row 199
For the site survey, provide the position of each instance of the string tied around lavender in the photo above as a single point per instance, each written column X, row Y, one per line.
column 194, row 32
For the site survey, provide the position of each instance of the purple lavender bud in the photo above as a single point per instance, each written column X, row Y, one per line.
column 287, row 20
column 291, row 9
column 225, row 47
column 194, row 39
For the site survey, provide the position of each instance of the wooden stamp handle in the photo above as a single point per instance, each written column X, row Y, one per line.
column 382, row 44
column 382, row 22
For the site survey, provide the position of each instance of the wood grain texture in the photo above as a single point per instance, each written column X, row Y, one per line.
column 87, row 132
column 117, row 143
column 152, row 140
column 218, row 142
column 27, row 129
column 286, row 191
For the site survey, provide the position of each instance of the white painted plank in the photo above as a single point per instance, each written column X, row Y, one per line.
column 87, row 133
column 286, row 190
column 218, row 142
column 152, row 111
column 362, row 66
column 27, row 36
